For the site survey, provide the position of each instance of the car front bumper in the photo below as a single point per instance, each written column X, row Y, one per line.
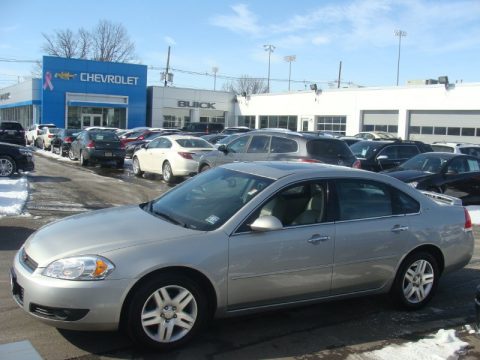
column 75, row 305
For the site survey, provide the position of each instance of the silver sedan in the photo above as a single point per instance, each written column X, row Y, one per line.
column 240, row 238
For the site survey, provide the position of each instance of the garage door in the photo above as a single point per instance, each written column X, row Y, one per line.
column 450, row 126
column 380, row 120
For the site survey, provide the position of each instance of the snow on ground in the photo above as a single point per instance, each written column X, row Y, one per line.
column 48, row 153
column 443, row 345
column 13, row 195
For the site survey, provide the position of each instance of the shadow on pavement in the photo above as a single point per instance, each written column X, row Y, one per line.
column 13, row 237
column 51, row 179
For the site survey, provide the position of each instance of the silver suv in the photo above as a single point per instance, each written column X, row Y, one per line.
column 457, row 148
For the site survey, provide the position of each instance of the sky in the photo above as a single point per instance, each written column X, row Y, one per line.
column 442, row 38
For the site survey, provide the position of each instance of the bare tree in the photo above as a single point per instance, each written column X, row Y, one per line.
column 107, row 42
column 110, row 42
column 246, row 84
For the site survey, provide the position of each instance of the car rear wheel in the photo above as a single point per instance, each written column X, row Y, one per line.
column 167, row 173
column 137, row 171
column 7, row 166
column 83, row 161
column 71, row 155
column 416, row 280
column 166, row 311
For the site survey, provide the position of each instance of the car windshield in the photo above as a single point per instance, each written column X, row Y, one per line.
column 228, row 139
column 208, row 200
column 429, row 162
column 103, row 136
column 152, row 135
column 474, row 151
column 194, row 143
column 329, row 148
column 54, row 130
column 10, row 126
column 365, row 149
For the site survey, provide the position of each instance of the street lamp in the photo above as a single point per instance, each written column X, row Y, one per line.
column 270, row 49
column 289, row 59
column 215, row 70
column 400, row 34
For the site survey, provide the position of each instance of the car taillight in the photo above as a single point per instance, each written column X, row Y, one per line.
column 68, row 140
column 50, row 136
column 141, row 137
column 185, row 155
column 91, row 145
column 357, row 164
column 122, row 145
column 468, row 220
column 310, row 160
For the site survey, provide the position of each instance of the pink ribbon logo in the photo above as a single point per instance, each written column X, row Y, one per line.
column 48, row 81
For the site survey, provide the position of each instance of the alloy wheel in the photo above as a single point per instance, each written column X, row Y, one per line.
column 169, row 314
column 418, row 281
column 6, row 167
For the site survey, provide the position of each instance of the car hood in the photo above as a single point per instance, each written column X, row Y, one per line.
column 98, row 232
column 408, row 175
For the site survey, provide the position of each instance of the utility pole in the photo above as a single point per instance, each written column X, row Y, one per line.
column 168, row 65
column 289, row 59
column 400, row 34
column 215, row 70
column 339, row 75
column 270, row 49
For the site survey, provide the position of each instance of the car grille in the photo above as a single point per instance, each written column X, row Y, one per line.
column 28, row 261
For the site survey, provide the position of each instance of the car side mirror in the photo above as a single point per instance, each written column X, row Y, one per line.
column 382, row 157
column 223, row 148
column 266, row 223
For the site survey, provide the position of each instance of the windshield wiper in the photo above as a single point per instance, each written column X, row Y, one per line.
column 170, row 219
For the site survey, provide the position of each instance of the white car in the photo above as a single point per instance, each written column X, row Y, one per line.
column 45, row 137
column 171, row 156
column 457, row 148
column 33, row 131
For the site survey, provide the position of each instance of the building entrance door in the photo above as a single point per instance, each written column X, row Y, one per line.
column 91, row 120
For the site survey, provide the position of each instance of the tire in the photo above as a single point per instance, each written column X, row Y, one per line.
column 176, row 308
column 416, row 280
column 167, row 173
column 137, row 171
column 83, row 161
column 71, row 155
column 7, row 166
column 205, row 168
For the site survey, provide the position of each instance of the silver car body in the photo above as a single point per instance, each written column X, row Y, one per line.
column 244, row 271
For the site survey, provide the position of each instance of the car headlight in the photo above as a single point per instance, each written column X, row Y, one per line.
column 26, row 152
column 90, row 267
column 413, row 184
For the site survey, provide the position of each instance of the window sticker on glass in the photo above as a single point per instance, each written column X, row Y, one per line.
column 252, row 192
column 212, row 219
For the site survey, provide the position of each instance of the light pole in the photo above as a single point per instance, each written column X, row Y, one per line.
column 400, row 34
column 215, row 70
column 289, row 59
column 270, row 49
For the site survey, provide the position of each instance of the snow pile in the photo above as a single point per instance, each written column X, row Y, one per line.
column 474, row 211
column 13, row 195
column 443, row 345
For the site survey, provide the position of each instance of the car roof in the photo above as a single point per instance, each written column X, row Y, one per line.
column 278, row 169
column 452, row 144
column 180, row 136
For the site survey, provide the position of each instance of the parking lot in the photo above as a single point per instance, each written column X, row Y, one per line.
column 331, row 330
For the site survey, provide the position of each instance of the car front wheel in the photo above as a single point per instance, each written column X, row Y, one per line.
column 416, row 281
column 7, row 166
column 166, row 311
column 204, row 168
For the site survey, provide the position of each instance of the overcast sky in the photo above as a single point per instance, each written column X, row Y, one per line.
column 443, row 38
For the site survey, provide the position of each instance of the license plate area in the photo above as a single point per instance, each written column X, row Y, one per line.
column 108, row 154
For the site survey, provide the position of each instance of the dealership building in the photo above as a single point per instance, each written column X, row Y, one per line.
column 76, row 93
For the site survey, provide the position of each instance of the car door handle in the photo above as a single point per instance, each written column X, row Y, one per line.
column 315, row 239
column 399, row 228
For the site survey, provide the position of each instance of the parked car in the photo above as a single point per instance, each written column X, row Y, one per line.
column 136, row 145
column 214, row 138
column 172, row 156
column 14, row 158
column 457, row 148
column 384, row 154
column 280, row 145
column 62, row 141
column 457, row 175
column 375, row 135
column 203, row 128
column 235, row 130
column 12, row 132
column 34, row 130
column 97, row 146
column 238, row 239
column 45, row 137
column 350, row 140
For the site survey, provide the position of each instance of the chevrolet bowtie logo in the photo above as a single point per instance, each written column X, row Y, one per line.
column 65, row 75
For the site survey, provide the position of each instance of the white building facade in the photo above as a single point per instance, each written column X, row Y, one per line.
column 422, row 112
